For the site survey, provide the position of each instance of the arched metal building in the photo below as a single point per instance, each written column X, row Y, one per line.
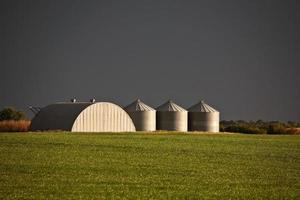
column 171, row 117
column 142, row 115
column 203, row 117
column 83, row 117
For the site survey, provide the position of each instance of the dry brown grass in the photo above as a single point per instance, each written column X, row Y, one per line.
column 293, row 131
column 297, row 130
column 14, row 126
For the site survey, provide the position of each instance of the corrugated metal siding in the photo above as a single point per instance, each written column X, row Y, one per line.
column 201, row 121
column 172, row 121
column 144, row 120
column 103, row 117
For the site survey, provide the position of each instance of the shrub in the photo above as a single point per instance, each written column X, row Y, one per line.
column 280, row 129
column 11, row 114
column 259, row 127
column 245, row 129
column 14, row 125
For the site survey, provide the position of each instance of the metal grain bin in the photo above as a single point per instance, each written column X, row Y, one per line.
column 171, row 117
column 203, row 117
column 142, row 115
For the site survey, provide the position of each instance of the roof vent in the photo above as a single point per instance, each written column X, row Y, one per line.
column 73, row 100
column 92, row 100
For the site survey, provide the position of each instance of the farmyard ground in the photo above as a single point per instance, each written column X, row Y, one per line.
column 62, row 165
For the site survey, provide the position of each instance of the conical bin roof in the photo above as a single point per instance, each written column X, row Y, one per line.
column 138, row 105
column 202, row 107
column 171, row 107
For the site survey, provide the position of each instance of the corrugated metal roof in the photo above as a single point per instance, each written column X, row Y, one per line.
column 201, row 107
column 58, row 116
column 170, row 106
column 83, row 117
column 138, row 105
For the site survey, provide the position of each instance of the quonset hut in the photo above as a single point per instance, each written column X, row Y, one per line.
column 142, row 115
column 171, row 117
column 203, row 117
column 83, row 117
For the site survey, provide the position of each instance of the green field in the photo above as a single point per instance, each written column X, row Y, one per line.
column 148, row 166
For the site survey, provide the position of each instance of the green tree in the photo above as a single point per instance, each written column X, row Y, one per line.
column 11, row 114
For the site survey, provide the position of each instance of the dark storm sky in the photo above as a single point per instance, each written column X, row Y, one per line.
column 242, row 57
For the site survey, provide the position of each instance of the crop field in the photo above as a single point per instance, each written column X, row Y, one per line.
column 61, row 165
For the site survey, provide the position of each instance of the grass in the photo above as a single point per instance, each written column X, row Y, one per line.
column 148, row 166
